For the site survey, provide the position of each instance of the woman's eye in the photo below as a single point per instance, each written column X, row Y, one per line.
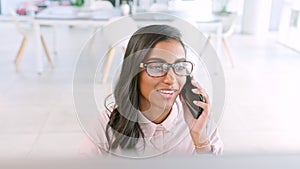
column 156, row 67
column 180, row 68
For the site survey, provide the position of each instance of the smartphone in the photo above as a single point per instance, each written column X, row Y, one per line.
column 189, row 97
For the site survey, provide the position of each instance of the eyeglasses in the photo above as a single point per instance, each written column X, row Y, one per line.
column 159, row 69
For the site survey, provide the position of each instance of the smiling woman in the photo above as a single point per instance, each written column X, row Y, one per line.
column 159, row 91
column 149, row 116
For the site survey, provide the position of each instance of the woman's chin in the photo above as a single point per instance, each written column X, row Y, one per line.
column 163, row 102
column 166, row 104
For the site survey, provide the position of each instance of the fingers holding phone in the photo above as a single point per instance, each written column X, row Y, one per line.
column 198, row 88
column 204, row 103
column 194, row 97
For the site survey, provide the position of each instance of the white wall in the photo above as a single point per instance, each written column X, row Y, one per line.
column 276, row 11
column 256, row 16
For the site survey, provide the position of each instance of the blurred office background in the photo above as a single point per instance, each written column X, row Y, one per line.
column 261, row 116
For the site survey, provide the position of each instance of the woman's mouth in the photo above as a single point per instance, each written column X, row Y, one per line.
column 167, row 93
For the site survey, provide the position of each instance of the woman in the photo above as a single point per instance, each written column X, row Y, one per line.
column 150, row 116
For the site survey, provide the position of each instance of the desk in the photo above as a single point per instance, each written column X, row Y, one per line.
column 75, row 16
column 80, row 16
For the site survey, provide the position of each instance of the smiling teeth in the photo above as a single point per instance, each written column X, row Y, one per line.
column 167, row 91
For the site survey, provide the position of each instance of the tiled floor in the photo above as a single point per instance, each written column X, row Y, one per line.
column 37, row 115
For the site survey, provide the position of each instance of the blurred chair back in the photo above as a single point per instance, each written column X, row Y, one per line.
column 228, row 25
column 24, row 26
column 116, row 33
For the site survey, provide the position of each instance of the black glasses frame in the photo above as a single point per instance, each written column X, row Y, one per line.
column 169, row 65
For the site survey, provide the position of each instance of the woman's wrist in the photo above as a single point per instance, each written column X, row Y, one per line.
column 203, row 147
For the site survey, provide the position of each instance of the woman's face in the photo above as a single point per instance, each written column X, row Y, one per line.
column 161, row 92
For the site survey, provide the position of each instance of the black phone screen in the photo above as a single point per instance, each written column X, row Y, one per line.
column 189, row 97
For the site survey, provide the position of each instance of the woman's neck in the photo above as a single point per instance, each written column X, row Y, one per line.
column 156, row 115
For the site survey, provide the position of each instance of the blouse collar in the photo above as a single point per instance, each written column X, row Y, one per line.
column 149, row 128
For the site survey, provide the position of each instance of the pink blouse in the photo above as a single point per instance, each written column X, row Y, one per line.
column 170, row 137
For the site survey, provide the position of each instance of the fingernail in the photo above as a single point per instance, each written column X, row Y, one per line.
column 195, row 102
column 194, row 83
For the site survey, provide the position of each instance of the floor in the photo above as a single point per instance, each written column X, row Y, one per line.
column 38, row 118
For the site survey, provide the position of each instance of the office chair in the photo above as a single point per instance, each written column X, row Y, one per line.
column 25, row 28
column 228, row 25
column 114, row 32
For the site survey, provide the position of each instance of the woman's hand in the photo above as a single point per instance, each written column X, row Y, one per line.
column 197, row 126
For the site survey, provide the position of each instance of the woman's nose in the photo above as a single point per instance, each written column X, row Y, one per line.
column 170, row 76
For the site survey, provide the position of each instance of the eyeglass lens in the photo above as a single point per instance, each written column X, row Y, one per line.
column 160, row 69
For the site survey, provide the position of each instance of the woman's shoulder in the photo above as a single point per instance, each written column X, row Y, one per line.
column 95, row 142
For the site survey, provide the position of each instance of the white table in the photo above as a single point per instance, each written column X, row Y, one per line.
column 77, row 16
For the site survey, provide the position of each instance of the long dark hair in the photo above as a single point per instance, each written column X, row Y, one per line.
column 123, row 129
